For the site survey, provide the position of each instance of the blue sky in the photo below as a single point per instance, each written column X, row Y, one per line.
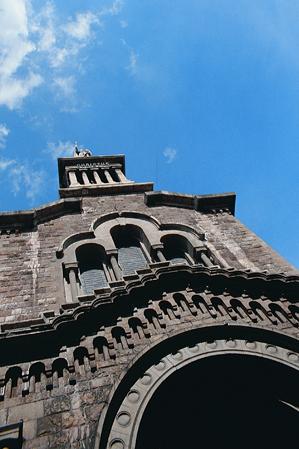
column 202, row 96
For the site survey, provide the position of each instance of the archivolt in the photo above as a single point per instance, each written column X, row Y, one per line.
column 119, row 424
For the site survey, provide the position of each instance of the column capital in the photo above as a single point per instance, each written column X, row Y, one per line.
column 71, row 266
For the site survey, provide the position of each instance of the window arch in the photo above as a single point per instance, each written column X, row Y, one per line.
column 131, row 244
column 177, row 249
column 91, row 265
column 120, row 243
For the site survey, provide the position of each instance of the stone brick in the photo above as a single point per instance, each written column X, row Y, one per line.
column 57, row 405
column 27, row 412
column 49, row 424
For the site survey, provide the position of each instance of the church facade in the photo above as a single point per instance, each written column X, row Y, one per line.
column 139, row 319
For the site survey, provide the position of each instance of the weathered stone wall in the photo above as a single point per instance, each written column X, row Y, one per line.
column 63, row 412
column 61, row 409
column 31, row 274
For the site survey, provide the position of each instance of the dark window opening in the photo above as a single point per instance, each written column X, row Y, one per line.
column 91, row 268
column 128, row 240
column 177, row 250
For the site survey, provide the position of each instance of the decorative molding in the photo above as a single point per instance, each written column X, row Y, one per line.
column 106, row 189
column 123, row 433
column 245, row 281
column 65, row 163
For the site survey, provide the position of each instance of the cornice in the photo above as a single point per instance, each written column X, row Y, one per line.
column 106, row 189
column 160, row 276
column 204, row 203
column 26, row 220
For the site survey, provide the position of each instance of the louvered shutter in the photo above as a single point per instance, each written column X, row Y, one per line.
column 92, row 279
column 131, row 258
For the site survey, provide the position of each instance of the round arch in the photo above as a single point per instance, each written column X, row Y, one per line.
column 119, row 425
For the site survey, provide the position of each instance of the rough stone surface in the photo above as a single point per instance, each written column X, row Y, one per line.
column 61, row 407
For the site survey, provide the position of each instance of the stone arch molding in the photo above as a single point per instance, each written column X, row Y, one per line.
column 100, row 232
column 124, row 430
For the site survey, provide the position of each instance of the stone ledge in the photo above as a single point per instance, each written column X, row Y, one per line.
column 29, row 219
column 106, row 189
column 204, row 203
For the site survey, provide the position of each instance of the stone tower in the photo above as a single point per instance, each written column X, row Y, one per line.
column 136, row 319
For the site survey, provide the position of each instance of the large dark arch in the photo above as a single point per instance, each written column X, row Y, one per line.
column 119, row 424
column 227, row 401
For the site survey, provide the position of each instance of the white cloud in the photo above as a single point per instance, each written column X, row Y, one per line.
column 14, row 90
column 80, row 28
column 4, row 131
column 132, row 66
column 28, row 179
column 51, row 41
column 4, row 163
column 43, row 25
column 15, row 48
column 37, row 46
column 14, row 40
column 60, row 149
column 66, row 86
column 170, row 154
column 23, row 178
column 123, row 23
column 112, row 10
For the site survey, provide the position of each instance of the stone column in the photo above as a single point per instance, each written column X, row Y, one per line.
column 72, row 270
column 116, row 268
column 206, row 260
column 73, row 284
column 109, row 177
column 121, row 176
column 73, row 178
column 97, row 177
column 85, row 178
column 160, row 256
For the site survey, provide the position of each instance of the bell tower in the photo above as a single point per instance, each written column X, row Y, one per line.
column 88, row 175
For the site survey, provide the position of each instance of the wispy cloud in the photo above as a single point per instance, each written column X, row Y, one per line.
column 65, row 85
column 15, row 48
column 4, row 163
column 23, row 178
column 60, row 149
column 80, row 28
column 14, row 90
column 112, row 10
column 123, row 23
column 4, row 131
column 36, row 46
column 170, row 154
column 132, row 66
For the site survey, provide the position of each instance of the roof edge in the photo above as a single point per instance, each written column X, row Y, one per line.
column 28, row 219
column 203, row 203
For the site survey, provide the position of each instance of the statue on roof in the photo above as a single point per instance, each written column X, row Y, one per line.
column 81, row 152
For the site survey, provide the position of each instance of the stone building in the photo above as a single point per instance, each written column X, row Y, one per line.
column 136, row 319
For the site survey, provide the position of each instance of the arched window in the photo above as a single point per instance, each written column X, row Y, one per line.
column 91, row 263
column 177, row 249
column 132, row 252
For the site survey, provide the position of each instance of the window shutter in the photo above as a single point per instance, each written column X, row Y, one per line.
column 93, row 279
column 131, row 258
